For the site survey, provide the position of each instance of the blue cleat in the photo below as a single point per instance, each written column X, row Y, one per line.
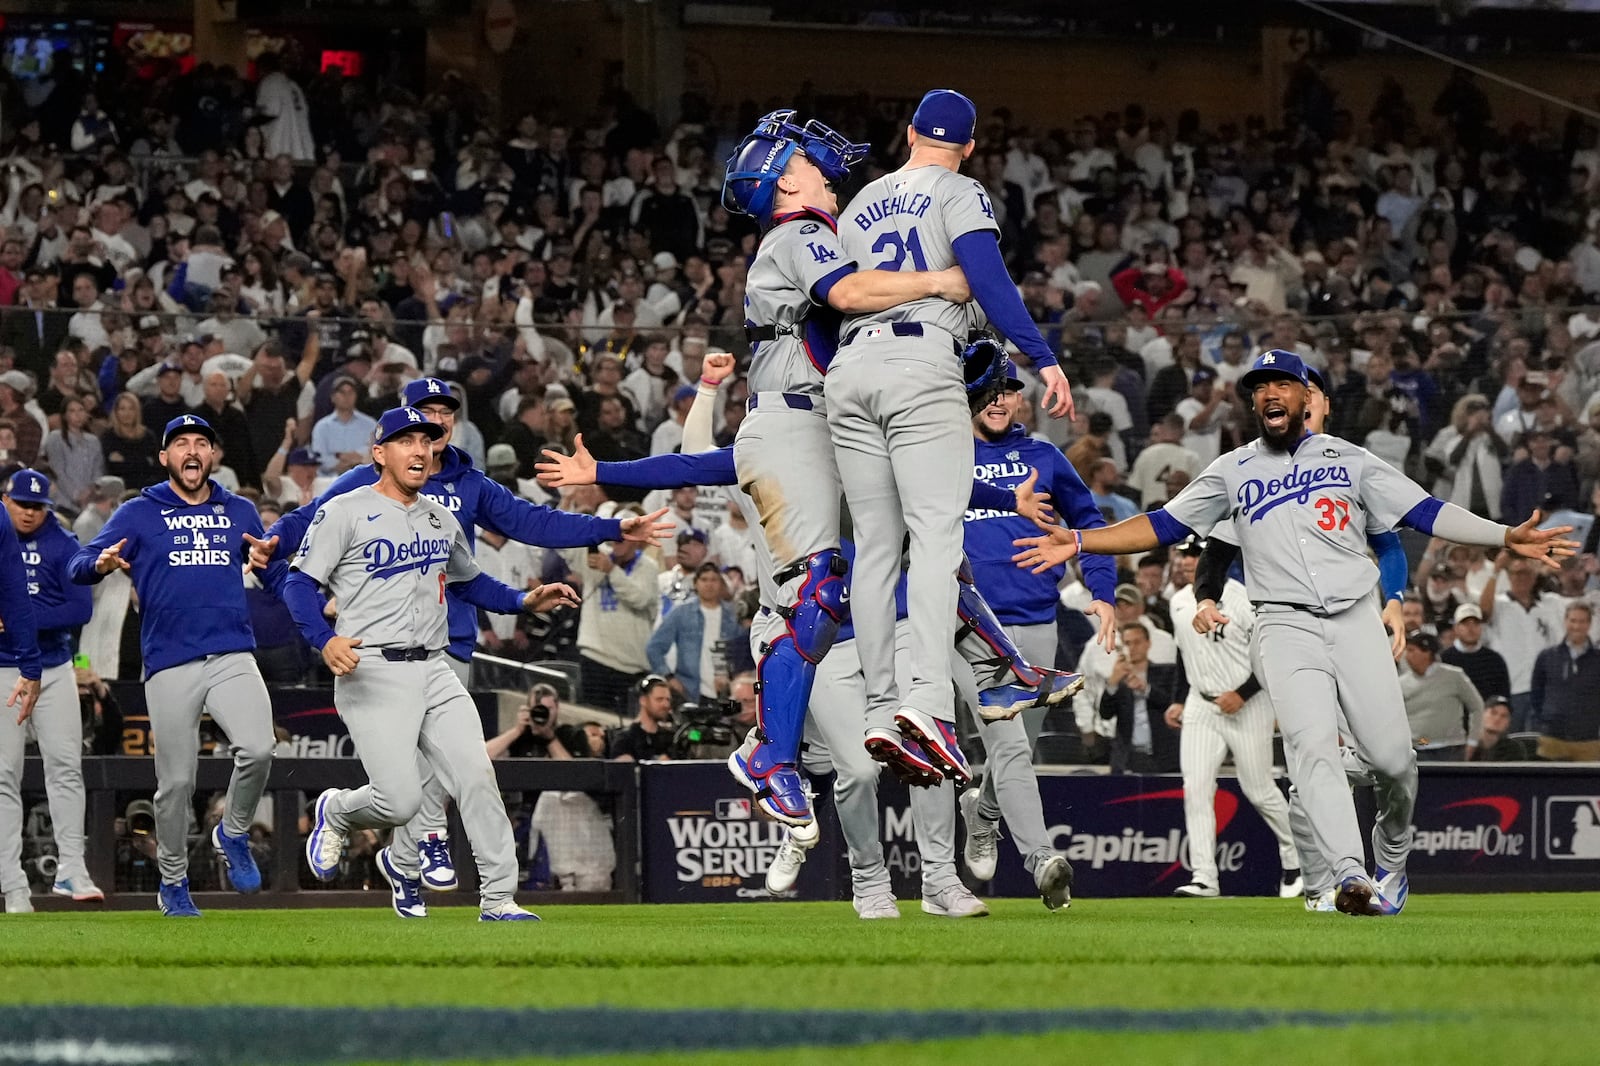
column 938, row 740
column 1007, row 701
column 904, row 757
column 438, row 869
column 506, row 911
column 175, row 902
column 1393, row 891
column 1358, row 898
column 325, row 844
column 235, row 852
column 405, row 893
column 780, row 791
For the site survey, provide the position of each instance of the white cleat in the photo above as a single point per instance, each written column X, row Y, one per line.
column 954, row 901
column 1054, row 882
column 1197, row 890
column 982, row 852
column 791, row 856
column 1291, row 885
column 872, row 908
column 19, row 901
column 1321, row 904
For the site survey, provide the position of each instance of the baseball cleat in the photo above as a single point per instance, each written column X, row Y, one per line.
column 506, row 911
column 1008, row 701
column 904, row 757
column 780, row 791
column 954, row 901
column 79, row 889
column 1393, row 891
column 325, row 844
column 1196, row 890
column 981, row 852
column 19, row 901
column 1291, row 885
column 1358, row 898
column 938, row 740
column 405, row 893
column 437, row 869
column 174, row 900
column 872, row 908
column 235, row 852
column 786, row 864
column 1054, row 882
column 1321, row 903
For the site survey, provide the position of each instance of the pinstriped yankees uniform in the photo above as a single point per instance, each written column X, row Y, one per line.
column 1215, row 663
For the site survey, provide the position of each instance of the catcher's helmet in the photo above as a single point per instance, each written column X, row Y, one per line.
column 754, row 167
column 985, row 366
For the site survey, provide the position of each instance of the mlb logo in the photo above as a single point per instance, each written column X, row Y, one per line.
column 733, row 810
column 1572, row 827
column 875, row 331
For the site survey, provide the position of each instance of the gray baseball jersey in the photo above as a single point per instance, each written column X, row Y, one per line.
column 909, row 220
column 387, row 565
column 1302, row 518
column 794, row 257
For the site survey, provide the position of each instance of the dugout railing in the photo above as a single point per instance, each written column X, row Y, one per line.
column 294, row 780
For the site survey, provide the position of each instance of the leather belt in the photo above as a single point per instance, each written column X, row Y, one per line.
column 406, row 655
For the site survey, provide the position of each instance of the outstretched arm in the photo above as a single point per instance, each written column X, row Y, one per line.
column 1140, row 533
column 670, row 471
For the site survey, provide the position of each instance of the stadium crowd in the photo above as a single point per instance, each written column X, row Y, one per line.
column 282, row 258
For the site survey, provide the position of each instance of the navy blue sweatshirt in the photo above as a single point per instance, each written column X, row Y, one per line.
column 21, row 637
column 60, row 607
column 476, row 500
column 187, row 564
column 1018, row 596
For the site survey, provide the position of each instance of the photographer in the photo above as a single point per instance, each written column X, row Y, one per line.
column 533, row 735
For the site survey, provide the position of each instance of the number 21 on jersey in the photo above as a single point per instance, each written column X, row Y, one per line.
column 897, row 245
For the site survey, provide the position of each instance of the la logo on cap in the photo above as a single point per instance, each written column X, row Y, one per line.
column 1269, row 358
column 188, row 421
column 411, row 413
column 433, row 384
column 34, row 482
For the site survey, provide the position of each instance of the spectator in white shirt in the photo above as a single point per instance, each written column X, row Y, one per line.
column 1519, row 623
column 1204, row 411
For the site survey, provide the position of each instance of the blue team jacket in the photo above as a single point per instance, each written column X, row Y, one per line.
column 21, row 636
column 59, row 606
column 1017, row 596
column 476, row 500
column 187, row 568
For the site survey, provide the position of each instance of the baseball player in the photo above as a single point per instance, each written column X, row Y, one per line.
column 183, row 542
column 1025, row 605
column 387, row 553
column 1302, row 505
column 898, row 412
column 60, row 607
column 800, row 284
column 21, row 665
column 1391, row 833
column 1226, row 710
column 459, row 486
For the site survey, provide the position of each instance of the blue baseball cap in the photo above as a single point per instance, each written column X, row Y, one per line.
column 945, row 115
column 1013, row 380
column 1314, row 377
column 429, row 390
column 187, row 424
column 400, row 420
column 1276, row 363
column 29, row 486
column 303, row 457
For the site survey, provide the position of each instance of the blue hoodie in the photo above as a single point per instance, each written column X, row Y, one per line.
column 21, row 637
column 187, row 568
column 476, row 500
column 59, row 606
column 1018, row 596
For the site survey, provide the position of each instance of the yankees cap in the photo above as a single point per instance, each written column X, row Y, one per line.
column 1276, row 363
column 429, row 390
column 945, row 115
column 188, row 424
column 400, row 420
column 28, row 486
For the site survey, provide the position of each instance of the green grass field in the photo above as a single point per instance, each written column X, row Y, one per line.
column 1455, row 980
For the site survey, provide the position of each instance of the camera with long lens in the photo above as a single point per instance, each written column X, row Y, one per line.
column 703, row 726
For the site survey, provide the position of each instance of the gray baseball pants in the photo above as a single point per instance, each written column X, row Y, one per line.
column 897, row 410
column 395, row 710
column 229, row 688
column 431, row 818
column 57, row 724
